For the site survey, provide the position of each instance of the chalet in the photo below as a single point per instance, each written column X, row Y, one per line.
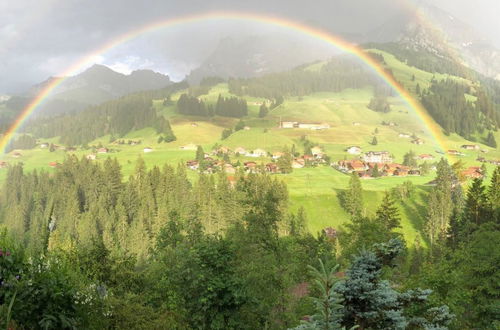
column 16, row 154
column 250, row 167
column 277, row 155
column 417, row 141
column 454, row 152
column 494, row 162
column 240, row 151
column 470, row 147
column 425, row 157
column 246, row 128
column 316, row 151
column 102, row 150
column 221, row 151
column 228, row 168
column 472, row 173
column 481, row 159
column 289, row 124
column 272, row 168
column 349, row 166
column 314, row 126
column 257, row 153
column 298, row 163
column 308, row 158
column 53, row 164
column 194, row 125
column 148, row 149
column 91, row 157
column 44, row 145
column 4, row 164
column 192, row 164
column 389, row 169
column 401, row 171
column 189, row 146
column 377, row 157
column 355, row 123
column 354, row 150
column 404, row 135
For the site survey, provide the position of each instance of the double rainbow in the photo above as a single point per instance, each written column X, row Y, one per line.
column 327, row 37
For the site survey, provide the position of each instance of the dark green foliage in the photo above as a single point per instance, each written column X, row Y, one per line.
column 116, row 117
column 336, row 75
column 23, row 142
column 445, row 100
column 192, row 106
column 410, row 159
column 328, row 306
column 374, row 141
column 263, row 110
column 388, row 214
column 226, row 133
column 379, row 104
column 371, row 303
column 352, row 199
column 490, row 140
column 239, row 126
column 231, row 107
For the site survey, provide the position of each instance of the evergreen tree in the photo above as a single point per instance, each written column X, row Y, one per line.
column 409, row 159
column 327, row 305
column 353, row 199
column 374, row 141
column 388, row 214
column 263, row 110
column 490, row 140
column 200, row 154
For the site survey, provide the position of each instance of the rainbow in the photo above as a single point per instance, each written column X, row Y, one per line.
column 327, row 37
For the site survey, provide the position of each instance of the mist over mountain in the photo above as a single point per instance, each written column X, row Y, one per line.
column 436, row 31
column 257, row 55
column 100, row 83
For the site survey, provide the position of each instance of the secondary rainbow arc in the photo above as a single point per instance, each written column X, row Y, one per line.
column 327, row 37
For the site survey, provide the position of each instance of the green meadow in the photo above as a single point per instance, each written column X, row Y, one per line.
column 315, row 189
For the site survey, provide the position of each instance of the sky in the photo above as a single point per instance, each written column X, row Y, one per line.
column 42, row 38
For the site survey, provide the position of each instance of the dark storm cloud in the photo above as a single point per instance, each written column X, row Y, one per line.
column 39, row 38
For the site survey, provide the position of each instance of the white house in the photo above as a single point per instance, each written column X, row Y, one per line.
column 257, row 153
column 377, row 157
column 354, row 150
column 148, row 149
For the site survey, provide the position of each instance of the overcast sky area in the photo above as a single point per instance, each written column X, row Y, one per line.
column 43, row 38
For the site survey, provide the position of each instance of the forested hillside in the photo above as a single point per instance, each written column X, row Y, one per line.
column 160, row 250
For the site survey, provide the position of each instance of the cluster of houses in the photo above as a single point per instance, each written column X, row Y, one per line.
column 211, row 164
column 311, row 126
column 373, row 164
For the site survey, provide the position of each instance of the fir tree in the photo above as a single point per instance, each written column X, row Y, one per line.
column 388, row 214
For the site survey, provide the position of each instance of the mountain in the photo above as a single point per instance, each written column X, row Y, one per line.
column 258, row 55
column 99, row 83
column 434, row 30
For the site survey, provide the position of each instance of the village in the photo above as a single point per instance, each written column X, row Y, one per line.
column 368, row 165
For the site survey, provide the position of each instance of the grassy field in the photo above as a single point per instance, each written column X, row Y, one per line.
column 316, row 189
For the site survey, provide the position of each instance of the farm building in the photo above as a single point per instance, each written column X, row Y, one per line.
column 470, row 147
column 472, row 172
column 102, row 150
column 91, row 157
column 148, row 149
column 425, row 157
column 377, row 157
column 240, row 151
column 257, row 153
column 417, row 141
